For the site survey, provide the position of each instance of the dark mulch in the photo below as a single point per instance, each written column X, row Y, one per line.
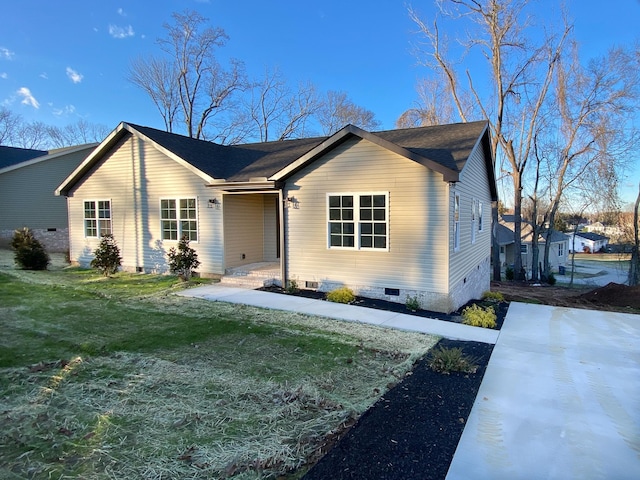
column 501, row 308
column 412, row 431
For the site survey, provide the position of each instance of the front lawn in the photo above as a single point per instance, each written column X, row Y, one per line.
column 119, row 378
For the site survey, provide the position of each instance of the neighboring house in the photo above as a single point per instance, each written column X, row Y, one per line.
column 587, row 242
column 614, row 233
column 28, row 179
column 389, row 214
column 558, row 252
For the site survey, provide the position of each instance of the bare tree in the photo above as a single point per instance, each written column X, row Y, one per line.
column 337, row 110
column 591, row 135
column 10, row 123
column 432, row 107
column 32, row 135
column 77, row 133
column 190, row 86
column 521, row 75
column 277, row 112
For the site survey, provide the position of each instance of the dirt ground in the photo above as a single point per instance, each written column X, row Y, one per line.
column 612, row 297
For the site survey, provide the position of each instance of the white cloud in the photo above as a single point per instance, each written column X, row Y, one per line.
column 121, row 12
column 44, row 75
column 66, row 110
column 6, row 53
column 74, row 76
column 121, row 32
column 28, row 98
column 4, row 75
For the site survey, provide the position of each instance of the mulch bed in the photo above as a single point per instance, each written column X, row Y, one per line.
column 412, row 431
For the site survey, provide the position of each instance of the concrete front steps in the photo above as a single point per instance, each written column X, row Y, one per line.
column 252, row 276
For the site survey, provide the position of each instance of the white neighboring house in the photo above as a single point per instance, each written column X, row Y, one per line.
column 587, row 242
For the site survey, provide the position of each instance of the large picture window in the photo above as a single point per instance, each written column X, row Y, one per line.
column 358, row 221
column 179, row 217
column 97, row 218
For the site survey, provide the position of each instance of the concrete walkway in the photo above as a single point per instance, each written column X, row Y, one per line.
column 308, row 306
column 560, row 399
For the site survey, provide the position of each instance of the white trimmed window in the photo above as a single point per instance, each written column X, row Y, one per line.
column 97, row 218
column 524, row 248
column 561, row 249
column 456, row 222
column 358, row 221
column 480, row 226
column 179, row 217
column 474, row 219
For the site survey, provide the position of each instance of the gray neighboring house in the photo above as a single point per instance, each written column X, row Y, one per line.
column 392, row 214
column 28, row 179
column 558, row 253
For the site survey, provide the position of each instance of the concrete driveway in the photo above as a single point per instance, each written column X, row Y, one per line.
column 560, row 399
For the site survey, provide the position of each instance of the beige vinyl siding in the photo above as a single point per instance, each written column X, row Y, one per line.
column 134, row 176
column 27, row 194
column 244, row 229
column 270, row 228
column 473, row 184
column 417, row 224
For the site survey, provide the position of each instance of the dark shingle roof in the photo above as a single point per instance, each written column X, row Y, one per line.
column 448, row 145
column 594, row 237
column 11, row 155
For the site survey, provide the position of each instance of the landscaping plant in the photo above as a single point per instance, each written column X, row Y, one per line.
column 30, row 254
column 184, row 260
column 341, row 295
column 107, row 256
column 447, row 360
column 477, row 316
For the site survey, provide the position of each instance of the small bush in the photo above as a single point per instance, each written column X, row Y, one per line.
column 447, row 360
column 341, row 295
column 551, row 279
column 493, row 296
column 509, row 273
column 479, row 317
column 184, row 260
column 292, row 286
column 30, row 254
column 413, row 303
column 107, row 256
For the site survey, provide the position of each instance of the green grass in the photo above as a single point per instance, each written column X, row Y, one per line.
column 119, row 378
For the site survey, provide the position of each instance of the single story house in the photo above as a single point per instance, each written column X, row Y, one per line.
column 392, row 214
column 558, row 253
column 28, row 179
column 587, row 242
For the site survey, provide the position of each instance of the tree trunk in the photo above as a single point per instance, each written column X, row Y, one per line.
column 518, row 271
column 495, row 246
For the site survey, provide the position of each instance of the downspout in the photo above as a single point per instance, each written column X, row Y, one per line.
column 283, row 253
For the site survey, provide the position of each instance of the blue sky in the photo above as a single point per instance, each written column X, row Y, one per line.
column 62, row 61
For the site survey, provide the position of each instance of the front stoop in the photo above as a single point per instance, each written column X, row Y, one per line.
column 255, row 275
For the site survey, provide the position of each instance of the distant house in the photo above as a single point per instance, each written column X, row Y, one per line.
column 558, row 250
column 587, row 242
column 28, row 179
column 389, row 214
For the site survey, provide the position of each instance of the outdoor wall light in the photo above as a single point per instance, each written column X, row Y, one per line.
column 293, row 202
column 214, row 203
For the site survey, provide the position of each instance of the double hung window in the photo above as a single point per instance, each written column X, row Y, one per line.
column 178, row 218
column 358, row 221
column 97, row 218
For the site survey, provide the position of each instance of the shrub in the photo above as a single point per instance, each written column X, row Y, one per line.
column 508, row 273
column 107, row 256
column 184, row 260
column 413, row 303
column 292, row 286
column 551, row 279
column 479, row 317
column 30, row 254
column 493, row 296
column 341, row 295
column 447, row 360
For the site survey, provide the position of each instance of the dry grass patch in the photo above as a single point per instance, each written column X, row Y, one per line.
column 98, row 383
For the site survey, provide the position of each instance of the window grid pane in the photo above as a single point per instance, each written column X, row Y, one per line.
column 97, row 218
column 179, row 218
column 371, row 217
column 341, row 225
column 373, row 227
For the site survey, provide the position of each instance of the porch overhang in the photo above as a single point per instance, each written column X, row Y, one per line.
column 257, row 186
